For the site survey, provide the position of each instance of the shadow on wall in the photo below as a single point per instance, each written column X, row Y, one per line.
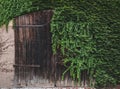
column 6, row 56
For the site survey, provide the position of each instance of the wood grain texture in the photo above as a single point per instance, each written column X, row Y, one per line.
column 33, row 47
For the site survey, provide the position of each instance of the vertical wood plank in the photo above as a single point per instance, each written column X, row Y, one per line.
column 33, row 47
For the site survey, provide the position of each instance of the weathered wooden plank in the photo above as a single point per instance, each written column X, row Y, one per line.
column 34, row 66
column 32, row 47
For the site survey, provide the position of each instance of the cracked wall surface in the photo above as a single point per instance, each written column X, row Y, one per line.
column 6, row 56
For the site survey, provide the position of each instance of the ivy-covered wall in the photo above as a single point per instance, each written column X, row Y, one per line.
column 87, row 33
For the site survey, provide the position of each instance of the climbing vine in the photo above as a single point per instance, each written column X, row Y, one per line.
column 75, row 41
column 86, row 37
column 85, row 31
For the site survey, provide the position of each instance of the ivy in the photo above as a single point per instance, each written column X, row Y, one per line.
column 88, row 39
column 85, row 31
column 75, row 42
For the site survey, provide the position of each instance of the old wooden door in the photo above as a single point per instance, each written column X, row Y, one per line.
column 33, row 63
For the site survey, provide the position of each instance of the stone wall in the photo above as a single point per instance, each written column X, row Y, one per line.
column 6, row 56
